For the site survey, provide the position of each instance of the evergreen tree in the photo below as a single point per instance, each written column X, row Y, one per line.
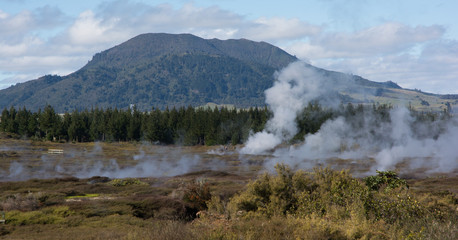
column 32, row 126
column 97, row 128
column 4, row 119
column 11, row 124
column 79, row 127
column 49, row 122
column 135, row 124
column 66, row 122
column 153, row 125
column 22, row 119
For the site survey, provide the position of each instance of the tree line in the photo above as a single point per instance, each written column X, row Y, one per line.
column 186, row 126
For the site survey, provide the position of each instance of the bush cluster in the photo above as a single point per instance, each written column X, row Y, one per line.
column 119, row 182
column 378, row 206
column 301, row 193
column 386, row 179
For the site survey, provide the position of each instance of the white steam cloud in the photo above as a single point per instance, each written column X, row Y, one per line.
column 400, row 139
column 295, row 87
column 387, row 144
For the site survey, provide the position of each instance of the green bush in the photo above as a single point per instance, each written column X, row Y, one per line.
column 215, row 205
column 299, row 193
column 385, row 179
column 46, row 216
column 381, row 202
column 334, row 192
column 126, row 182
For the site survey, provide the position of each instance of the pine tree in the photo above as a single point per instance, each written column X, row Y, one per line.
column 4, row 119
column 22, row 119
column 11, row 124
column 49, row 122
column 135, row 124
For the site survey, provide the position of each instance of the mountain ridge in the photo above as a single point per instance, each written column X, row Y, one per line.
column 164, row 70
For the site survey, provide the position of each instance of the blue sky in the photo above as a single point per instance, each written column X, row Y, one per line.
column 413, row 43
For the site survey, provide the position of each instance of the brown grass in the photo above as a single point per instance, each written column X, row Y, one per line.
column 153, row 208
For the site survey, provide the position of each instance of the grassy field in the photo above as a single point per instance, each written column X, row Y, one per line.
column 415, row 99
column 215, row 194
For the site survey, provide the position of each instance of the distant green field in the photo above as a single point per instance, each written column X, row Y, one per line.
column 402, row 97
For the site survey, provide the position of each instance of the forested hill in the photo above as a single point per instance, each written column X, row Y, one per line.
column 159, row 70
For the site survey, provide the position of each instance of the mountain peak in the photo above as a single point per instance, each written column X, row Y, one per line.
column 150, row 45
column 160, row 69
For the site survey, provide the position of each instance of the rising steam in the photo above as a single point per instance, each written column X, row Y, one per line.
column 383, row 143
column 387, row 143
column 295, row 87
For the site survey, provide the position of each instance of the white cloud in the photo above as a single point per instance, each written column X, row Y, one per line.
column 88, row 30
column 279, row 29
column 14, row 27
column 435, row 69
column 380, row 40
column 415, row 57
column 3, row 14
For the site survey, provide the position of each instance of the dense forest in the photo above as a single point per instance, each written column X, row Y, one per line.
column 185, row 126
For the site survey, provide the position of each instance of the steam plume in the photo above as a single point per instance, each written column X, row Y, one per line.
column 388, row 143
column 295, row 87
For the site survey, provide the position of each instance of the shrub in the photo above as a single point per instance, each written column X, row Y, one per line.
column 215, row 205
column 394, row 208
column 379, row 207
column 333, row 191
column 269, row 195
column 126, row 182
column 33, row 217
column 22, row 202
column 387, row 179
column 197, row 194
column 50, row 199
column 300, row 193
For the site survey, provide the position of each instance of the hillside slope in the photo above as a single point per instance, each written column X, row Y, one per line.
column 160, row 70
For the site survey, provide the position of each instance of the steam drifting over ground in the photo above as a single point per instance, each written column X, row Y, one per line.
column 364, row 142
column 388, row 143
column 144, row 161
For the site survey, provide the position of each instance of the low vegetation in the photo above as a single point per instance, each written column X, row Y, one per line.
column 317, row 204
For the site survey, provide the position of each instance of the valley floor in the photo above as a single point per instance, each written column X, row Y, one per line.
column 111, row 191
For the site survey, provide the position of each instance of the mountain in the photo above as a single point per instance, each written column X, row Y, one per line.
column 160, row 70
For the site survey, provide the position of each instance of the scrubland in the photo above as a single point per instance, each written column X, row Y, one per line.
column 236, row 202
